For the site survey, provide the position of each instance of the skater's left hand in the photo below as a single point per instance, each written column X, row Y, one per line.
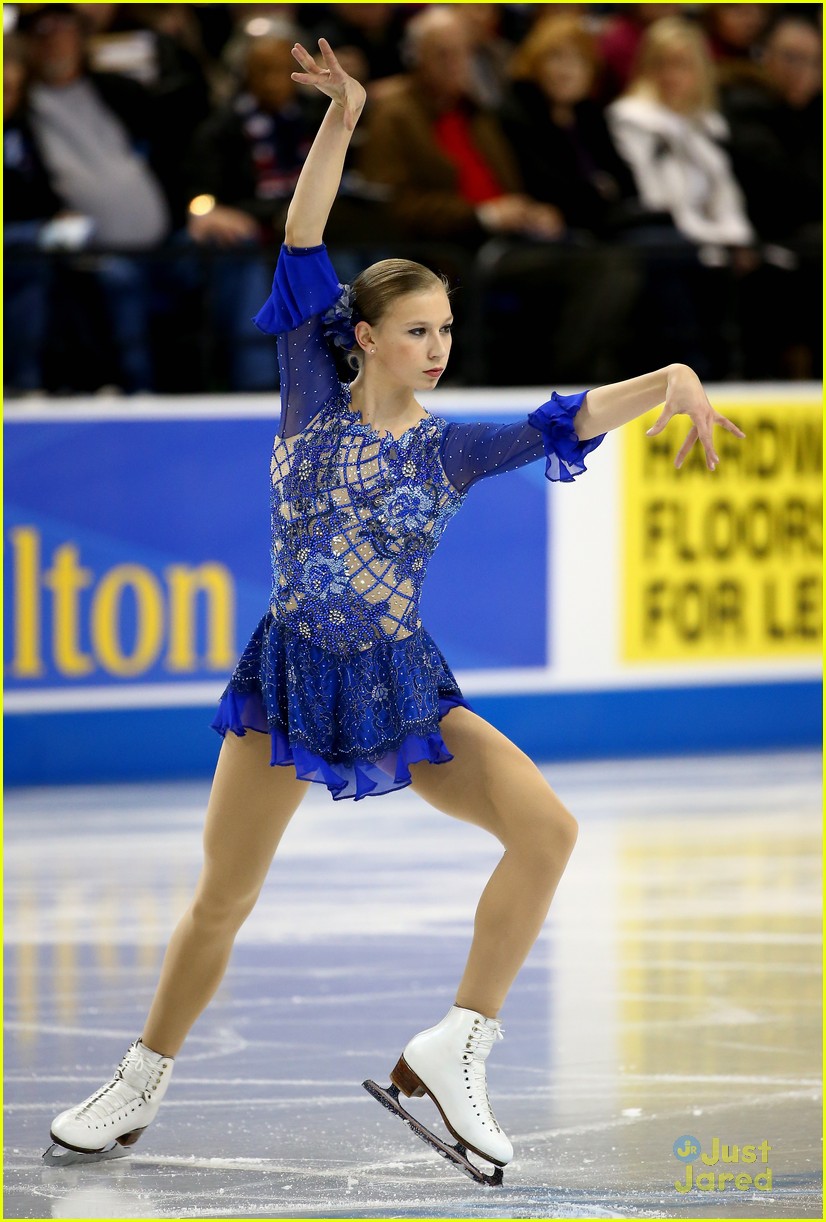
column 685, row 396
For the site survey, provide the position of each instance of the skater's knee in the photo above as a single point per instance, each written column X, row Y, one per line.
column 220, row 909
column 545, row 833
column 563, row 828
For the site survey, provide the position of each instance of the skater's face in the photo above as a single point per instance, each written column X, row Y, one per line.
column 412, row 339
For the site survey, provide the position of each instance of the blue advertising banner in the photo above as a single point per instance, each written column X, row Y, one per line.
column 136, row 552
column 137, row 567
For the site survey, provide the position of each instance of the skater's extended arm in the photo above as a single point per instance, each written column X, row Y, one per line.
column 677, row 387
column 320, row 176
column 568, row 427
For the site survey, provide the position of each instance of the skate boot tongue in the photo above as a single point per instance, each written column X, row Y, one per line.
column 480, row 1040
column 483, row 1035
column 141, row 1068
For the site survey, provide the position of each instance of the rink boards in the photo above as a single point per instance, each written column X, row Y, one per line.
column 637, row 611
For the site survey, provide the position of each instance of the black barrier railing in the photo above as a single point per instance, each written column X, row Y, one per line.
column 176, row 319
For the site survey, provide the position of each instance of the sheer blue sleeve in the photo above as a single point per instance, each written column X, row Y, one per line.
column 472, row 451
column 304, row 287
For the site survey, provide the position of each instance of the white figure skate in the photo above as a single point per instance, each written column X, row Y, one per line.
column 447, row 1062
column 113, row 1118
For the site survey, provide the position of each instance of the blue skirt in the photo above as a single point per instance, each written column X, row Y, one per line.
column 353, row 723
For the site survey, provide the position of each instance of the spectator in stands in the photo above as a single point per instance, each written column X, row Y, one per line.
column 620, row 42
column 241, row 168
column 490, row 52
column 375, row 30
column 451, row 168
column 159, row 46
column 29, row 202
column 565, row 152
column 777, row 125
column 777, row 141
column 669, row 129
column 93, row 132
column 734, row 32
column 248, row 154
column 454, row 177
column 792, row 60
column 28, row 197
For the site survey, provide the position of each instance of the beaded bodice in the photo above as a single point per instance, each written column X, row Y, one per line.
column 356, row 516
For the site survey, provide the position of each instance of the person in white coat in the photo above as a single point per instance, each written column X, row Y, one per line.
column 668, row 128
column 701, row 260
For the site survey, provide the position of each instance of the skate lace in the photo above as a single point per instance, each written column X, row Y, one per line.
column 135, row 1077
column 479, row 1043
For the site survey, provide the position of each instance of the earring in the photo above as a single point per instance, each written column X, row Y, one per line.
column 373, row 350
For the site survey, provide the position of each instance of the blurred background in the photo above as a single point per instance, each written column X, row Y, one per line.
column 620, row 185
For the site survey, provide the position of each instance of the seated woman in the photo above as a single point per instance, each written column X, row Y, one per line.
column 566, row 154
column 668, row 128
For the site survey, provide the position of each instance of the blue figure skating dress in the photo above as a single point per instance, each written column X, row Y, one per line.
column 340, row 671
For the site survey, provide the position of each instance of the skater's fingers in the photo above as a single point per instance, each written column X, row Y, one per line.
column 728, row 424
column 703, row 427
column 304, row 57
column 685, row 447
column 661, row 422
column 328, row 55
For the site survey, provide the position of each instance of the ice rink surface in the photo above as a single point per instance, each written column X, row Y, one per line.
column 674, row 993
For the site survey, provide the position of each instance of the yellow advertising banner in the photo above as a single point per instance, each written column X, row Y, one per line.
column 725, row 564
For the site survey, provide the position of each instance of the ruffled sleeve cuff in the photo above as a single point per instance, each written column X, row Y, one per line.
column 304, row 285
column 564, row 452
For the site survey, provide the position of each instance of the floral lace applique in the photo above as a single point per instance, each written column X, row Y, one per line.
column 356, row 517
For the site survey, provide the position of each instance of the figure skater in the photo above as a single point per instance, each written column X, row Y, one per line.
column 340, row 683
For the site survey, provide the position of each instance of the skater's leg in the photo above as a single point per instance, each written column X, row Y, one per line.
column 249, row 808
column 494, row 785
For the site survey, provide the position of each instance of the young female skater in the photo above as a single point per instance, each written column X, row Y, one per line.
column 344, row 685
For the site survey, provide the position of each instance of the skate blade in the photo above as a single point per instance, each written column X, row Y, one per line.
column 457, row 1154
column 60, row 1156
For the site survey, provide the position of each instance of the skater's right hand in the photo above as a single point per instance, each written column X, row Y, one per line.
column 331, row 80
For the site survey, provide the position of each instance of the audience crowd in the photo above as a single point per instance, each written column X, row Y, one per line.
column 610, row 187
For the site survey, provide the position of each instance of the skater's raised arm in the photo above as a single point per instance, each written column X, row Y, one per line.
column 320, row 176
column 677, row 387
column 305, row 285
